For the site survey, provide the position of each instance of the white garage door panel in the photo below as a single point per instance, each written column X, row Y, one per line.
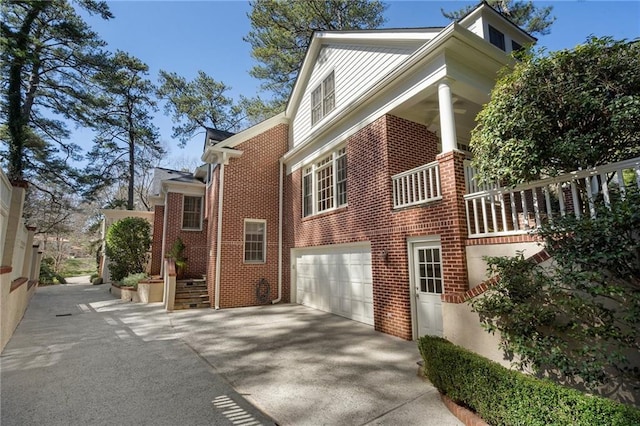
column 336, row 279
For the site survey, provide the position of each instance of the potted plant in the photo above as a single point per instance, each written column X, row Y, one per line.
column 177, row 254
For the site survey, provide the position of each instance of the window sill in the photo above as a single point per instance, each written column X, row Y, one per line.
column 326, row 213
column 191, row 229
column 254, row 263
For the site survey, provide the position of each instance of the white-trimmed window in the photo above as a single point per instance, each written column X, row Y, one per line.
column 496, row 38
column 192, row 213
column 323, row 99
column 255, row 240
column 324, row 183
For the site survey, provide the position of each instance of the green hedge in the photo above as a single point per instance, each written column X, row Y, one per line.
column 507, row 397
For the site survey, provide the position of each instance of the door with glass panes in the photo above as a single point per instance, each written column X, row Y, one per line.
column 427, row 274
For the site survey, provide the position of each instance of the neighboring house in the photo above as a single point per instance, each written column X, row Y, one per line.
column 358, row 199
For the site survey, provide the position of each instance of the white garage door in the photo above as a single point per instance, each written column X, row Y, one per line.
column 336, row 279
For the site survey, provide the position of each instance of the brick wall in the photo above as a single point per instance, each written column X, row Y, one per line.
column 251, row 191
column 156, row 245
column 195, row 242
column 388, row 146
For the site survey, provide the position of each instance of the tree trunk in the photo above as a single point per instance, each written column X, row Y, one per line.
column 132, row 146
column 17, row 119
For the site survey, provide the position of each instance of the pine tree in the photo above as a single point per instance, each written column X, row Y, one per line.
column 533, row 19
column 281, row 32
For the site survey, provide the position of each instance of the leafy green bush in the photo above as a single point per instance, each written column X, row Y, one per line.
column 578, row 319
column 507, row 397
column 133, row 279
column 48, row 275
column 127, row 242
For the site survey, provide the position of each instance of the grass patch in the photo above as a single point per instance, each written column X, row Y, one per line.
column 77, row 266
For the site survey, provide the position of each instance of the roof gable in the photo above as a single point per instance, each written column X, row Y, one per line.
column 358, row 61
column 393, row 39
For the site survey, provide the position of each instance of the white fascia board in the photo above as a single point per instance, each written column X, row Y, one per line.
column 303, row 75
column 156, row 200
column 243, row 136
column 218, row 154
column 375, row 36
column 186, row 188
column 121, row 214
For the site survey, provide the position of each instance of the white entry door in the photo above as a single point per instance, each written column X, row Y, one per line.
column 427, row 278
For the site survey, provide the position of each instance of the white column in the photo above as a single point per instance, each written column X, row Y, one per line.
column 447, row 119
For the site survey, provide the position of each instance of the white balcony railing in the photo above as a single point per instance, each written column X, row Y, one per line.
column 517, row 210
column 416, row 186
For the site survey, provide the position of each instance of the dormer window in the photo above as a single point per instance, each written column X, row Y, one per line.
column 323, row 99
column 496, row 38
column 515, row 47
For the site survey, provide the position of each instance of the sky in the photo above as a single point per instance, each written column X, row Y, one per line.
column 187, row 36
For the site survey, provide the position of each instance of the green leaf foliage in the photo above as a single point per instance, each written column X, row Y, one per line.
column 47, row 54
column 133, row 279
column 560, row 112
column 577, row 320
column 198, row 104
column 525, row 14
column 126, row 136
column 126, row 244
column 281, row 31
column 504, row 397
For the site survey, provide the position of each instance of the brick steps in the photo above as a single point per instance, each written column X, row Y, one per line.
column 191, row 294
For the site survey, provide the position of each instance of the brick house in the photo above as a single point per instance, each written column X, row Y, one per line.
column 358, row 199
column 353, row 200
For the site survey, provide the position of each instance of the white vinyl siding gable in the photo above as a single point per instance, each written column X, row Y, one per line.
column 355, row 68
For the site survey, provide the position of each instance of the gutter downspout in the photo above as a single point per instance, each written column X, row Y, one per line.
column 280, row 202
column 164, row 231
column 219, row 236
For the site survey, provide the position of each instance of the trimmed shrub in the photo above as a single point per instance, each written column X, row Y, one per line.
column 507, row 397
column 127, row 242
column 48, row 275
column 133, row 280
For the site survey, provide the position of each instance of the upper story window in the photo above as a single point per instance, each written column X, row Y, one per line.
column 255, row 240
column 323, row 99
column 515, row 46
column 496, row 38
column 192, row 213
column 324, row 183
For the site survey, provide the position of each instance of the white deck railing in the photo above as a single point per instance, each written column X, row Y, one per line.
column 416, row 186
column 518, row 210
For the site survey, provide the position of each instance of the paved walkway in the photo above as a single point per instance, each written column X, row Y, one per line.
column 298, row 365
column 73, row 361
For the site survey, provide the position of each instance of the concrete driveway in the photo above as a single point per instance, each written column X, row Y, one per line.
column 297, row 365
column 302, row 366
